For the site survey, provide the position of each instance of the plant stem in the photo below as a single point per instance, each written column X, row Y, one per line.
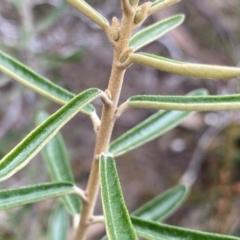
column 107, row 124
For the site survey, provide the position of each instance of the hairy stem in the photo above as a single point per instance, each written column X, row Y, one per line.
column 107, row 123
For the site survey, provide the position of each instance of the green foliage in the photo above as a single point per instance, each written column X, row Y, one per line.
column 35, row 141
column 163, row 205
column 45, row 137
column 185, row 103
column 119, row 226
column 90, row 12
column 59, row 223
column 20, row 196
column 40, row 84
column 55, row 156
column 155, row 31
column 185, row 69
column 149, row 129
column 155, row 231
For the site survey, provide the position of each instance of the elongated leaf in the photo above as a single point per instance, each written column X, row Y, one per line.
column 36, row 140
column 117, row 219
column 151, row 128
column 59, row 224
column 90, row 12
column 164, row 205
column 155, row 31
column 55, row 156
column 19, row 196
column 161, row 4
column 154, row 231
column 40, row 84
column 183, row 68
column 187, row 103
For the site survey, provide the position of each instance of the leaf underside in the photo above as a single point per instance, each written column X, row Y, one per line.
column 187, row 103
column 183, row 68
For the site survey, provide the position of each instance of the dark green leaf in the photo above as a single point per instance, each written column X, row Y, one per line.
column 19, row 196
column 38, row 83
column 187, row 103
column 55, row 156
column 117, row 219
column 37, row 139
column 151, row 128
column 154, row 231
column 164, row 205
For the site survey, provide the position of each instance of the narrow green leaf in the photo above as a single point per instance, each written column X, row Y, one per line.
column 163, row 205
column 183, row 68
column 117, row 219
column 56, row 159
column 187, row 103
column 151, row 128
column 59, row 223
column 161, row 4
column 155, row 31
column 90, row 12
column 154, row 231
column 19, row 196
column 38, row 83
column 37, row 139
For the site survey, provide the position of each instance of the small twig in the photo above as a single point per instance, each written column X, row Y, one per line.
column 96, row 121
column 126, row 64
column 105, row 99
column 121, row 109
column 97, row 219
column 76, row 220
column 81, row 194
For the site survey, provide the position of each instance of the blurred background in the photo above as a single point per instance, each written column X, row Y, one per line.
column 60, row 43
